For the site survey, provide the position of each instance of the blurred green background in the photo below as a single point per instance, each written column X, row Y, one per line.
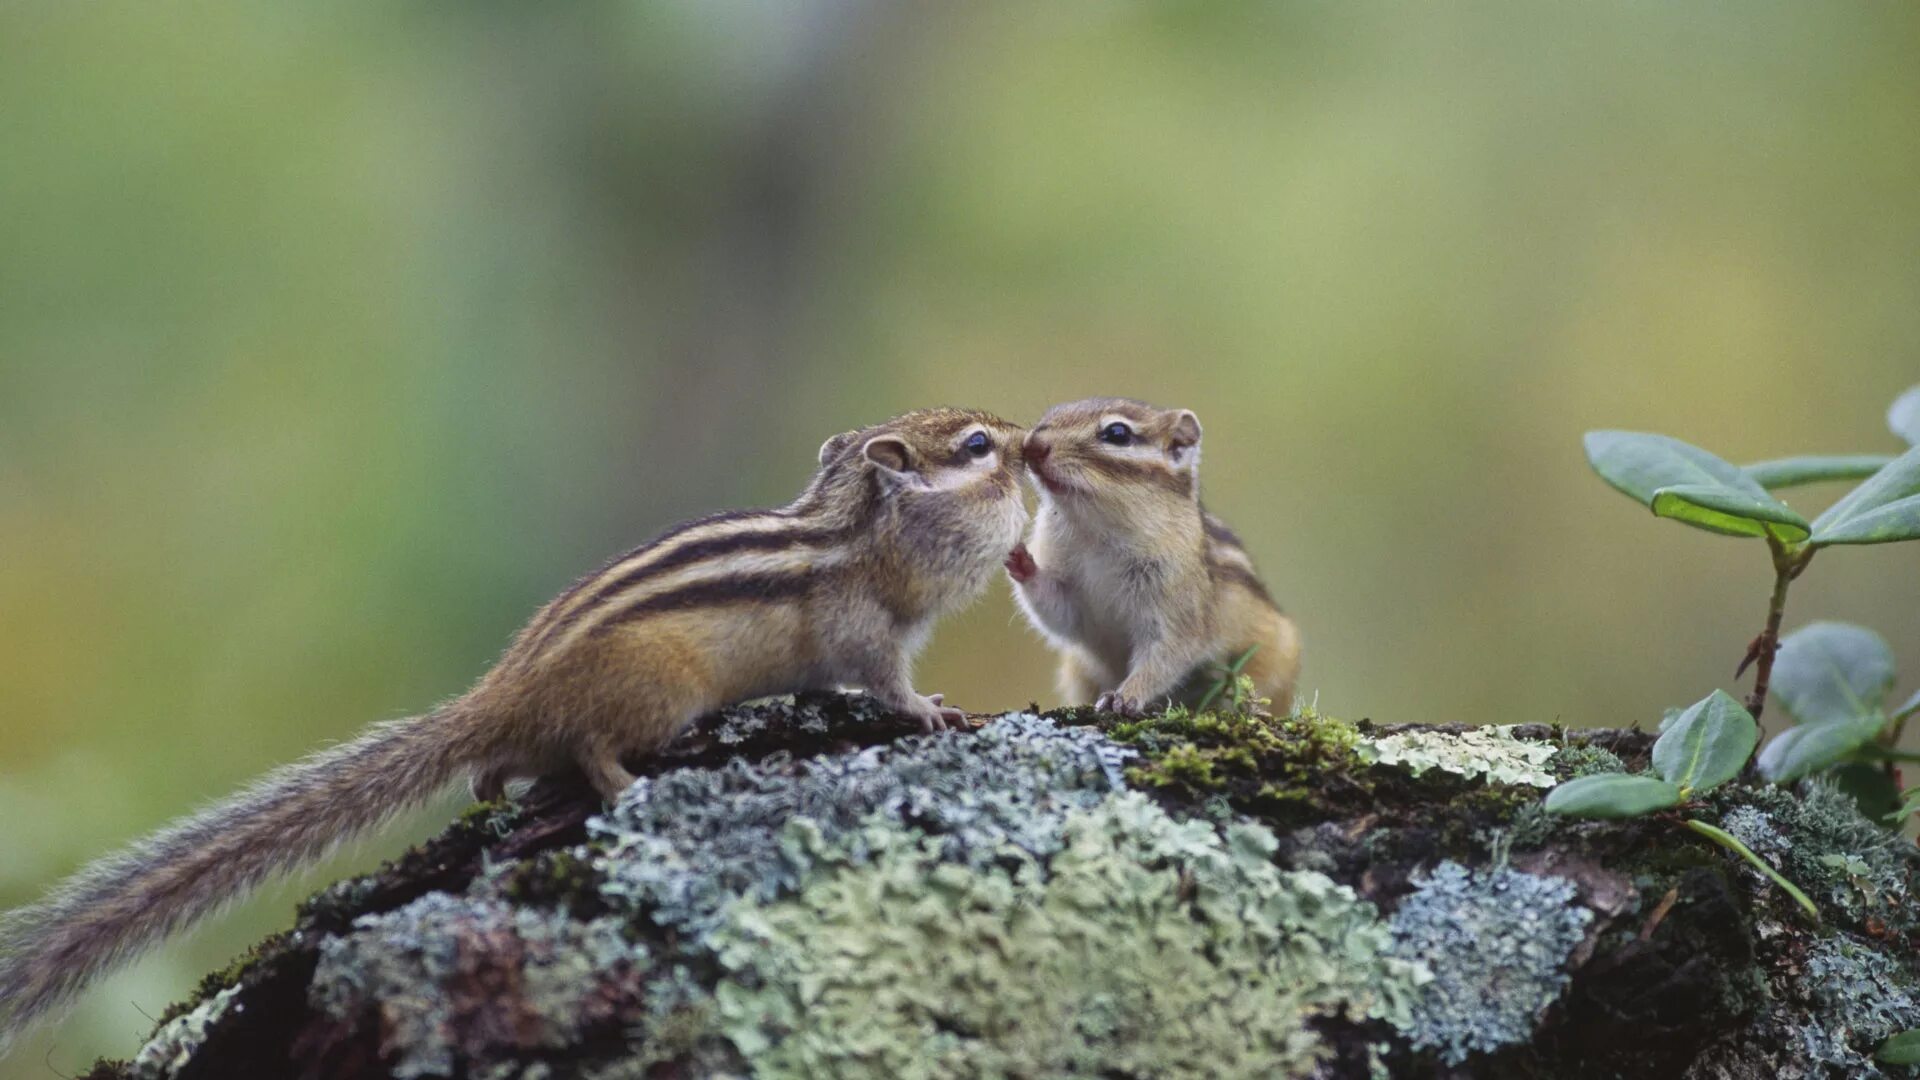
column 335, row 339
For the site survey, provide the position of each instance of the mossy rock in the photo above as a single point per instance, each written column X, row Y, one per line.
column 805, row 888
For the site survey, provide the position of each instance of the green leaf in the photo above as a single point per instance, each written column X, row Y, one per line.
column 1688, row 484
column 1904, row 415
column 1707, row 745
column 1906, row 810
column 1811, row 747
column 1882, row 510
column 1612, row 795
column 1870, row 788
column 1732, row 843
column 1902, row 1049
column 1814, row 469
column 1827, row 672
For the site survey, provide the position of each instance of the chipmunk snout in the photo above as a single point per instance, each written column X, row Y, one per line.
column 1035, row 449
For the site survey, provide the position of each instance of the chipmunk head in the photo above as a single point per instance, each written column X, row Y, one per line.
column 944, row 485
column 1106, row 451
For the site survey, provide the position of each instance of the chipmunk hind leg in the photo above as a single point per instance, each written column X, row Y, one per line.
column 1082, row 678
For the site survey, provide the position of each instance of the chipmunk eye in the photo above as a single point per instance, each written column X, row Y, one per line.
column 1117, row 434
column 978, row 444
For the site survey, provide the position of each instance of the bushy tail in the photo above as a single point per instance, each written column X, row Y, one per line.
column 122, row 904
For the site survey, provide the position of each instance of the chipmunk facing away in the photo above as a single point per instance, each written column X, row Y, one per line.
column 901, row 524
column 1137, row 586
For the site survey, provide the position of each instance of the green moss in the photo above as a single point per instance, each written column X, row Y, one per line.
column 228, row 977
column 1251, row 759
column 1581, row 759
column 564, row 879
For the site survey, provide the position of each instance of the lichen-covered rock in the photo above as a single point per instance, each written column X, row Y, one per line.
column 1143, row 947
column 1497, row 944
column 455, row 979
column 1489, row 753
column 805, row 888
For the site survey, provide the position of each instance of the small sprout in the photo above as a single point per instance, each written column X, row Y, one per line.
column 1704, row 746
column 1238, row 688
column 1693, row 486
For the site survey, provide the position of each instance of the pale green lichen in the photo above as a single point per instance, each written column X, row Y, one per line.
column 684, row 845
column 1497, row 943
column 1490, row 753
column 420, row 967
column 1861, row 992
column 174, row 1045
column 1143, row 946
column 1815, row 835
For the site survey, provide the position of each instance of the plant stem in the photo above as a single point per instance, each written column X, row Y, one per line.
column 1731, row 843
column 1787, row 564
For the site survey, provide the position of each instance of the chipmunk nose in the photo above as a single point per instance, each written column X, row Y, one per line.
column 1035, row 449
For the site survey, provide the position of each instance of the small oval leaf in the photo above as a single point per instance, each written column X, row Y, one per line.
column 1814, row 469
column 1683, row 482
column 1884, row 509
column 1612, row 795
column 1827, row 672
column 1902, row 1049
column 1798, row 751
column 1707, row 745
column 1904, row 415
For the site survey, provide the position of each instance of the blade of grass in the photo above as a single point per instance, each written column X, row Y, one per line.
column 1731, row 843
column 1232, row 673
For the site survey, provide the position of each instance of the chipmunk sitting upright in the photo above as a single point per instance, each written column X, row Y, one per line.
column 1139, row 588
column 902, row 523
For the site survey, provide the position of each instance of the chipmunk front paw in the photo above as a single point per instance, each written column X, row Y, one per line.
column 1115, row 702
column 1020, row 564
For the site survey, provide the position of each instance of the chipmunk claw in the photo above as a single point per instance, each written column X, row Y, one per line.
column 1115, row 702
column 940, row 716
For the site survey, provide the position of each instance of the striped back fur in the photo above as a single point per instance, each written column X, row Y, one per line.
column 119, row 906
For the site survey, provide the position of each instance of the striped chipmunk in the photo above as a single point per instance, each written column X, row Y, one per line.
column 902, row 523
column 1142, row 591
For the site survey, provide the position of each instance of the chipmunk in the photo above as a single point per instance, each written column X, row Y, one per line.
column 1139, row 588
column 901, row 524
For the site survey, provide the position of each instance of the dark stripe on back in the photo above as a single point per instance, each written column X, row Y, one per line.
column 678, row 530
column 687, row 554
column 719, row 592
column 1120, row 469
column 1245, row 578
column 1217, row 530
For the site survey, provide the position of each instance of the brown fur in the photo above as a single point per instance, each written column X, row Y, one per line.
column 1138, row 587
column 900, row 525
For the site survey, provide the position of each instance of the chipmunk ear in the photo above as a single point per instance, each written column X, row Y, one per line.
column 1183, row 440
column 832, row 447
column 890, row 453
